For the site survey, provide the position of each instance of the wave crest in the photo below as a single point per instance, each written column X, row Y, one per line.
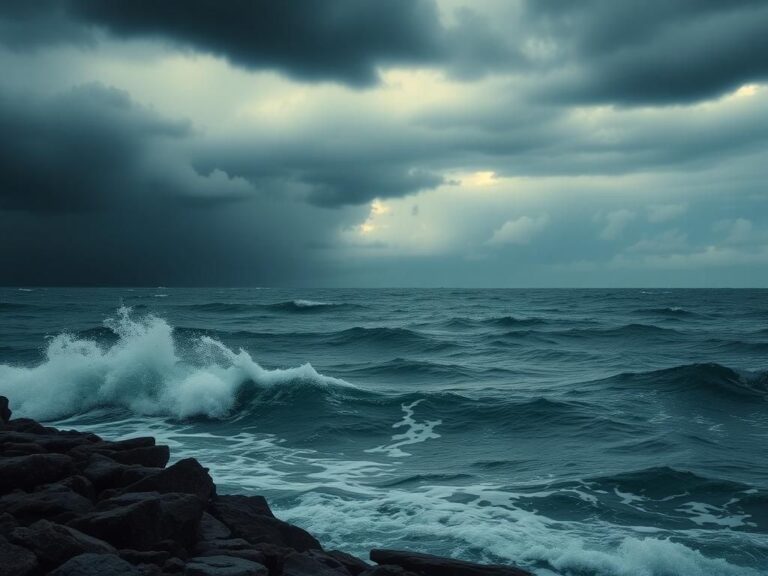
column 146, row 371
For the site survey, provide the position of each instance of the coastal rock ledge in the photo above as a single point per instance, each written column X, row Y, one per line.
column 72, row 503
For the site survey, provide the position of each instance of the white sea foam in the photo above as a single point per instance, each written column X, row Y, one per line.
column 145, row 371
column 415, row 432
column 309, row 303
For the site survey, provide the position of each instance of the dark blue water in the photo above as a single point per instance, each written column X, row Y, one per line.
column 616, row 432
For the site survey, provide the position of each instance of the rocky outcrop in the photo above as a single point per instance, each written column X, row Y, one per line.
column 74, row 504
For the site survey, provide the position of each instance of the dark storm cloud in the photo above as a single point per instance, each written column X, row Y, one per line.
column 651, row 51
column 341, row 40
column 94, row 148
column 81, row 150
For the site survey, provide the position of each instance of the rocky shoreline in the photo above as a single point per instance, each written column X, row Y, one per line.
column 72, row 503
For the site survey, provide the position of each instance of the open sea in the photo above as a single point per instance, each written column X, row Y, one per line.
column 574, row 432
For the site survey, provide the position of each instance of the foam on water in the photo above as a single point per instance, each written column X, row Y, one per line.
column 146, row 371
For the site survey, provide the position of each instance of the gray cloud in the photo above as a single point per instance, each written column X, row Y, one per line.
column 658, row 51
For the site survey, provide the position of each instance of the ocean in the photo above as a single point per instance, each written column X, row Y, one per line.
column 574, row 432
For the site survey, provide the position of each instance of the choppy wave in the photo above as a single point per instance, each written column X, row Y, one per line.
column 144, row 370
column 708, row 378
column 297, row 306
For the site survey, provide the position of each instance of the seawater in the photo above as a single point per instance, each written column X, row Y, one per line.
column 575, row 432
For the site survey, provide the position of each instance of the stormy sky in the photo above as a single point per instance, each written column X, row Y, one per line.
column 367, row 143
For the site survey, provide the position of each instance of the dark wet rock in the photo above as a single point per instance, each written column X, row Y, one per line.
column 5, row 411
column 131, row 443
column 106, row 474
column 274, row 556
column 236, row 547
column 15, row 560
column 353, row 564
column 249, row 517
column 133, row 474
column 21, row 448
column 387, row 570
column 223, row 566
column 7, row 524
column 149, row 456
column 54, row 544
column 56, row 502
column 27, row 425
column 80, row 485
column 212, row 528
column 27, row 472
column 313, row 563
column 157, row 557
column 173, row 566
column 96, row 565
column 186, row 476
column 428, row 565
column 141, row 520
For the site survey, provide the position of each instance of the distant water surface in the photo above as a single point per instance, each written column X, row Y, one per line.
column 609, row 432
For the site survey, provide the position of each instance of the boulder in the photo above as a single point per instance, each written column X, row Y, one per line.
column 149, row 456
column 21, row 448
column 387, row 570
column 236, row 547
column 212, row 528
column 96, row 565
column 223, row 566
column 142, row 520
column 186, row 476
column 27, row 425
column 249, row 517
column 353, row 564
column 428, row 565
column 7, row 524
column 15, row 560
column 5, row 411
column 55, row 502
column 27, row 472
column 157, row 557
column 54, row 544
column 313, row 563
column 173, row 566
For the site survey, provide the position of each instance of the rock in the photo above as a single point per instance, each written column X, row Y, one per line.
column 223, row 566
column 26, row 472
column 55, row 502
column 212, row 528
column 157, row 557
column 149, row 456
column 27, row 425
column 5, row 411
column 249, row 517
column 428, row 565
column 54, row 544
column 387, row 570
column 313, row 563
column 106, row 474
column 236, row 547
column 21, row 448
column 173, row 566
column 80, row 485
column 96, row 565
column 131, row 443
column 353, row 564
column 186, row 476
column 141, row 520
column 15, row 560
column 7, row 524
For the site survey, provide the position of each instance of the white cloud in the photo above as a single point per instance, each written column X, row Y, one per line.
column 519, row 231
column 736, row 231
column 615, row 221
column 665, row 212
column 669, row 241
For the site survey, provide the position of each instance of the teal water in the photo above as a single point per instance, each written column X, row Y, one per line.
column 572, row 431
